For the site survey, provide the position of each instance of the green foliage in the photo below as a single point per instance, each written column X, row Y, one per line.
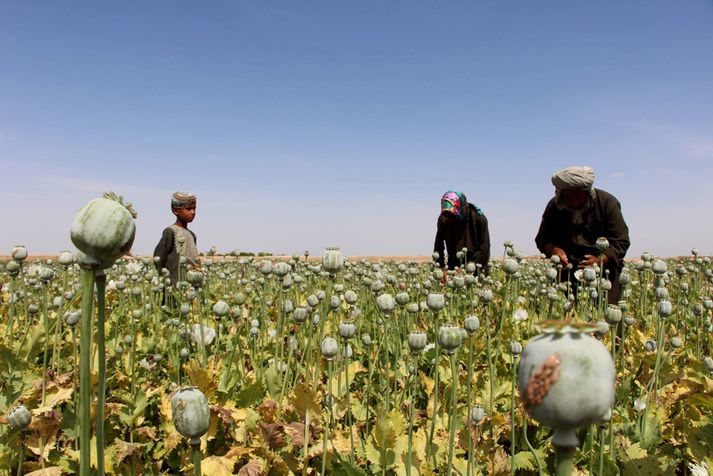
column 270, row 395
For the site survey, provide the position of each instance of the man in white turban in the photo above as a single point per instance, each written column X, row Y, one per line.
column 575, row 218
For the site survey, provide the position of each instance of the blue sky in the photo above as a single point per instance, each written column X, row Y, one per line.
column 301, row 125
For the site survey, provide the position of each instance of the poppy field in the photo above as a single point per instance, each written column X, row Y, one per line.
column 338, row 366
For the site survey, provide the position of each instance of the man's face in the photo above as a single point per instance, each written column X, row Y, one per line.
column 186, row 214
column 576, row 198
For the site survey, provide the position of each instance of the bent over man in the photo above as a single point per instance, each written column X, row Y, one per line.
column 574, row 219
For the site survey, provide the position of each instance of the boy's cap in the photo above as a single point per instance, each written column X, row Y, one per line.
column 182, row 200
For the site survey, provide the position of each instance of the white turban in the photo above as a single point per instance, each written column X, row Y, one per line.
column 574, row 177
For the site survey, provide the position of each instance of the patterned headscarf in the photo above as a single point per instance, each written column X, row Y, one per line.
column 182, row 200
column 453, row 201
column 574, row 177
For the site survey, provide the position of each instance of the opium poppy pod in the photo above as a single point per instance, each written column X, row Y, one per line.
column 450, row 338
column 347, row 330
column 602, row 244
column 510, row 266
column 333, row 260
column 402, row 298
column 19, row 253
column 191, row 414
column 385, row 303
column 566, row 376
column 19, row 417
column 435, row 302
column 220, row 309
column 659, row 267
column 329, row 347
column 281, row 268
column 65, row 258
column 104, row 229
column 417, row 341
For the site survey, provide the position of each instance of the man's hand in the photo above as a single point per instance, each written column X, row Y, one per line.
column 444, row 277
column 591, row 260
column 562, row 256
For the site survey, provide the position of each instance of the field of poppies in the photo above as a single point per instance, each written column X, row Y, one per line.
column 303, row 365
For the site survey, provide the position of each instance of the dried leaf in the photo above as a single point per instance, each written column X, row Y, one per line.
column 217, row 466
column 267, row 410
column 204, row 378
column 124, row 449
column 255, row 467
column 273, row 433
column 59, row 395
column 51, row 471
column 303, row 399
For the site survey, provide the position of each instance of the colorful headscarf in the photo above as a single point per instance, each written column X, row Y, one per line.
column 453, row 201
column 182, row 200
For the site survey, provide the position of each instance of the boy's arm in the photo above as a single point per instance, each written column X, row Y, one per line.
column 163, row 248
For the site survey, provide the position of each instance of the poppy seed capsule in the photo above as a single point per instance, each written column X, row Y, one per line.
column 515, row 348
column 385, row 303
column 220, row 309
column 19, row 417
column 450, row 338
column 589, row 275
column 190, row 413
column 65, row 258
column 613, row 314
column 72, row 318
column 602, row 244
column 266, row 267
column 350, row 297
column 477, row 414
column 281, row 268
column 300, row 314
column 659, row 267
column 510, row 266
column 435, row 302
column 566, row 377
column 329, row 347
column 19, row 253
column 661, row 293
column 676, row 342
column 417, row 341
column 708, row 362
column 366, row 340
column 664, row 308
column 402, row 298
column 650, row 345
column 472, row 323
column 347, row 330
column 333, row 260
column 104, row 230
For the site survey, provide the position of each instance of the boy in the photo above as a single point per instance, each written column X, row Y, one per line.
column 177, row 240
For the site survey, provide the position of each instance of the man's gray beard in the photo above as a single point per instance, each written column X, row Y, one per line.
column 577, row 215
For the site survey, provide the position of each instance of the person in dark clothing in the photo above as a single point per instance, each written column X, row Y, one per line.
column 177, row 240
column 575, row 218
column 461, row 225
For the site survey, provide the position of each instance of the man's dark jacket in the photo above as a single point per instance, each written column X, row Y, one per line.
column 604, row 219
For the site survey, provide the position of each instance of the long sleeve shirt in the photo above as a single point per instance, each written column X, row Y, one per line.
column 168, row 254
column 452, row 235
